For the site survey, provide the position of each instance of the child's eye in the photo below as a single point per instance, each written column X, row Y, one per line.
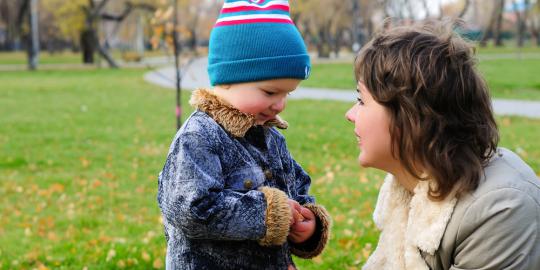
column 268, row 92
column 360, row 101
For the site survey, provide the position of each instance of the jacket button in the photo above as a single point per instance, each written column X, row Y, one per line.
column 268, row 174
column 248, row 184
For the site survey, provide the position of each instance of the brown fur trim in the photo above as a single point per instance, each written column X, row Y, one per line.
column 277, row 217
column 315, row 246
column 231, row 119
column 278, row 122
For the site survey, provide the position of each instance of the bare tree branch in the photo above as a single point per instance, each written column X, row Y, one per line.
column 127, row 10
column 465, row 8
column 98, row 9
column 23, row 9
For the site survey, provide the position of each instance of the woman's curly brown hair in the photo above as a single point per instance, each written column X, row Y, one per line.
column 442, row 122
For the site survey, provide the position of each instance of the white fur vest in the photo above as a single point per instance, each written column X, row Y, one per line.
column 409, row 223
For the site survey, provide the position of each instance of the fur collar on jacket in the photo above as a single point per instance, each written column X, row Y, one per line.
column 231, row 119
column 409, row 224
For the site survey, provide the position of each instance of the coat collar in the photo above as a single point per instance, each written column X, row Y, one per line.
column 231, row 119
column 409, row 223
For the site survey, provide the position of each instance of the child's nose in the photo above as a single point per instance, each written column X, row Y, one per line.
column 279, row 105
column 351, row 114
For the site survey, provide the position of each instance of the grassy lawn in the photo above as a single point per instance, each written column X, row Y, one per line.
column 507, row 78
column 19, row 58
column 509, row 47
column 66, row 57
column 80, row 152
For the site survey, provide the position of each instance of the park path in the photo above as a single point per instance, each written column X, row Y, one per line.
column 195, row 76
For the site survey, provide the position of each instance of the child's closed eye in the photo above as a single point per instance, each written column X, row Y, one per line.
column 268, row 93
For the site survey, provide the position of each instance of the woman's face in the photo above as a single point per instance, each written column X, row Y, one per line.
column 372, row 129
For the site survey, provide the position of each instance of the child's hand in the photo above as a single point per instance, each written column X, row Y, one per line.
column 295, row 212
column 303, row 229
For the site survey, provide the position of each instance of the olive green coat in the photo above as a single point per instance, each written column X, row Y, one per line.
column 497, row 226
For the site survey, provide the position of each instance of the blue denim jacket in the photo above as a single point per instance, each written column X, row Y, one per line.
column 223, row 191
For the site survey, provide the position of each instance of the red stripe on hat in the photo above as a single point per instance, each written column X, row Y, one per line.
column 264, row 20
column 252, row 8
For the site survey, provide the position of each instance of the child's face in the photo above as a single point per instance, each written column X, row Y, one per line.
column 372, row 129
column 263, row 99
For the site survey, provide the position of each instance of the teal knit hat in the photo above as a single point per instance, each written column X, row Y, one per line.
column 256, row 40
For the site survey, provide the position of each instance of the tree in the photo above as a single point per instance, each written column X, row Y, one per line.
column 29, row 9
column 493, row 28
column 521, row 17
column 89, row 37
column 67, row 17
column 534, row 22
column 498, row 25
column 79, row 21
column 9, row 12
column 464, row 9
column 323, row 23
column 192, row 26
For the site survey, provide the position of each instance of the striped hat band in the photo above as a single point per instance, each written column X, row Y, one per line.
column 254, row 11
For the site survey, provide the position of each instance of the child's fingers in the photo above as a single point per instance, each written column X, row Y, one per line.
column 300, row 227
column 294, row 204
column 306, row 213
column 298, row 217
column 292, row 217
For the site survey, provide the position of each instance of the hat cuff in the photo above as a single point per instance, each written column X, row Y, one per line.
column 260, row 69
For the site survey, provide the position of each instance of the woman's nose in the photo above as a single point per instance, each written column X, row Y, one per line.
column 351, row 114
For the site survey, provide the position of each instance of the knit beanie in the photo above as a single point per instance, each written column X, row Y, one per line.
column 256, row 40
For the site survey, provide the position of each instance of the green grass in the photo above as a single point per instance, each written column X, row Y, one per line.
column 20, row 58
column 510, row 47
column 507, row 78
column 80, row 152
column 66, row 57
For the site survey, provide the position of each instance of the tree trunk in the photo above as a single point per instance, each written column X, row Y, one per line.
column 88, row 45
column 535, row 34
column 488, row 32
column 105, row 54
column 498, row 25
column 464, row 10
column 354, row 26
column 33, row 44
column 521, row 27
column 322, row 41
column 323, row 50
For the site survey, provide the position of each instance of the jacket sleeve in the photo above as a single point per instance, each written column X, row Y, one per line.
column 316, row 243
column 192, row 197
column 500, row 230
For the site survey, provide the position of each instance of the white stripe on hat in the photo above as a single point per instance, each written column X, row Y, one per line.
column 255, row 16
column 247, row 4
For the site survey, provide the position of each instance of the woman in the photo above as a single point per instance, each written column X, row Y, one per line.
column 452, row 199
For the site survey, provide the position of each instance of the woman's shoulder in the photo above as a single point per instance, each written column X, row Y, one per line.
column 506, row 171
column 507, row 182
column 499, row 221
